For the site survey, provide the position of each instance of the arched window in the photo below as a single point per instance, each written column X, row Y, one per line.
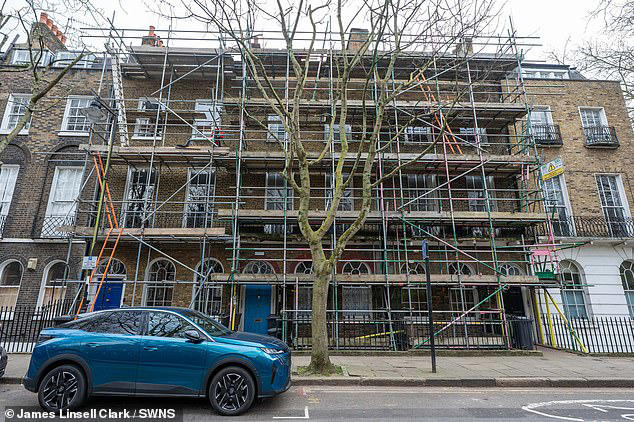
column 461, row 268
column 54, row 286
column 116, row 270
column 510, row 269
column 627, row 278
column 207, row 294
column 355, row 267
column 573, row 294
column 160, row 277
column 413, row 268
column 10, row 279
column 357, row 299
column 304, row 267
column 258, row 267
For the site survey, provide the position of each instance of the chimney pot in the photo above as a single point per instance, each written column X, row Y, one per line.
column 49, row 23
column 62, row 38
column 43, row 17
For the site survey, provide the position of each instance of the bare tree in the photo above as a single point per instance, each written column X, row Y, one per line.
column 43, row 75
column 367, row 71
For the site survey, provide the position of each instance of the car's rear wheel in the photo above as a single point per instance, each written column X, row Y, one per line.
column 232, row 391
column 62, row 388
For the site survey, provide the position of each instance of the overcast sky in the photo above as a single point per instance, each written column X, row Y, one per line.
column 554, row 21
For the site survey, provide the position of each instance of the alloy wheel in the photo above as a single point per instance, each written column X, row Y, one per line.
column 231, row 392
column 60, row 389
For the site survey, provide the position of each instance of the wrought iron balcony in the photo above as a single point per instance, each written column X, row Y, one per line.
column 548, row 135
column 601, row 137
column 593, row 227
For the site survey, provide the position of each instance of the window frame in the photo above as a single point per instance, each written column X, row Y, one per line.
column 571, row 229
column 9, row 190
column 3, row 267
column 275, row 126
column 603, row 118
column 625, row 206
column 167, row 285
column 44, row 282
column 64, row 131
column 4, row 126
column 215, row 109
column 210, row 199
column 628, row 292
column 574, row 289
column 209, row 288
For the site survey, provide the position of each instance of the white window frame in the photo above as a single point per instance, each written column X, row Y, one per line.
column 566, row 198
column 422, row 131
column 45, row 59
column 602, row 116
column 346, row 203
column 215, row 290
column 4, row 127
column 473, row 201
column 566, row 290
column 215, row 112
column 622, row 196
column 127, row 200
column 150, row 284
column 336, row 131
column 547, row 112
column 627, row 266
column 62, row 59
column 49, row 210
column 6, row 195
column 3, row 267
column 191, row 172
column 64, row 130
column 43, row 285
column 275, row 128
column 290, row 194
column 141, row 123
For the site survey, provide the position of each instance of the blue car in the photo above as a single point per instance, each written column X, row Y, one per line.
column 167, row 351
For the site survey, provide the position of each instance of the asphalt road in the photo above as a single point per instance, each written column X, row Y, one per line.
column 384, row 404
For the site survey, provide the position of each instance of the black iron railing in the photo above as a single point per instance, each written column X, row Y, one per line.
column 3, row 220
column 546, row 134
column 596, row 335
column 601, row 136
column 591, row 226
column 52, row 224
column 20, row 325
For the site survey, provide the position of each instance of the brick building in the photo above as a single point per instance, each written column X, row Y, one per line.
column 196, row 212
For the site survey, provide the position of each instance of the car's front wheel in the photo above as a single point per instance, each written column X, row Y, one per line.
column 62, row 388
column 232, row 391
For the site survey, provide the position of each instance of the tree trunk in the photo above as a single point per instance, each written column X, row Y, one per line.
column 319, row 357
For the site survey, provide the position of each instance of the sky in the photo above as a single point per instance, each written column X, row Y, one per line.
column 558, row 23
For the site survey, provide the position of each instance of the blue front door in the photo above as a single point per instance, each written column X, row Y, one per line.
column 109, row 295
column 257, row 307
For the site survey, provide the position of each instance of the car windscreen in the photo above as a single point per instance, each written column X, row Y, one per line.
column 211, row 326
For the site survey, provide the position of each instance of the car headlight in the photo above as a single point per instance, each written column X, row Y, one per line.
column 271, row 351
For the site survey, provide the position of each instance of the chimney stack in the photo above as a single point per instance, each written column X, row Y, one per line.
column 45, row 26
column 356, row 38
column 43, row 17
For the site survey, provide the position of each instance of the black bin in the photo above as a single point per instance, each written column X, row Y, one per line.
column 521, row 333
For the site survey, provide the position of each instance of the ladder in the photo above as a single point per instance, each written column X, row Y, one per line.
column 113, row 224
column 117, row 87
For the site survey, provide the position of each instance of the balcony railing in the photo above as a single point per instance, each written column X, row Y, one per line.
column 601, row 137
column 592, row 226
column 52, row 223
column 546, row 134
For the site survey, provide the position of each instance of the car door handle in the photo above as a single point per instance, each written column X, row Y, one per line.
column 150, row 348
column 92, row 344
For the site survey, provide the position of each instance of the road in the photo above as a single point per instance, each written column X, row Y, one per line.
column 391, row 404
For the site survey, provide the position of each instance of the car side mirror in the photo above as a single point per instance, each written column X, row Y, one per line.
column 193, row 336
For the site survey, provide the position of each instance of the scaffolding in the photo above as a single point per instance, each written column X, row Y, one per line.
column 195, row 178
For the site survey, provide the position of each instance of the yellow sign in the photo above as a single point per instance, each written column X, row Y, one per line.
column 552, row 168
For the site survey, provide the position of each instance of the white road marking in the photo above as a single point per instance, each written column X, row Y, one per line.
column 594, row 404
column 306, row 416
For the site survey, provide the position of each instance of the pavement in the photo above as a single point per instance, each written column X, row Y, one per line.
column 550, row 368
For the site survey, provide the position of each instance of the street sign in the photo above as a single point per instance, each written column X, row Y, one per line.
column 552, row 168
column 89, row 262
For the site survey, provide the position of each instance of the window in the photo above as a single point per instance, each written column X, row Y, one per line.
column 61, row 207
column 276, row 131
column 346, row 203
column 417, row 193
column 463, row 299
column 510, row 269
column 413, row 268
column 418, row 134
column 207, row 295
column 139, row 201
column 542, row 128
column 545, row 74
column 304, row 267
column 258, row 267
column 278, row 196
column 149, row 104
column 541, row 116
column 477, row 193
column 467, row 134
column 337, row 132
column 209, row 126
column 613, row 202
column 116, row 269
column 10, row 279
column 459, row 268
column 8, row 177
column 54, row 286
column 23, row 57
column 159, row 288
column 572, row 294
column 144, row 128
column 557, row 207
column 595, row 127
column 115, row 322
column 305, row 294
column 164, row 324
column 355, row 267
column 65, row 58
column 627, row 278
column 74, row 122
column 357, row 299
column 592, row 117
column 14, row 111
column 199, row 204
column 414, row 298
